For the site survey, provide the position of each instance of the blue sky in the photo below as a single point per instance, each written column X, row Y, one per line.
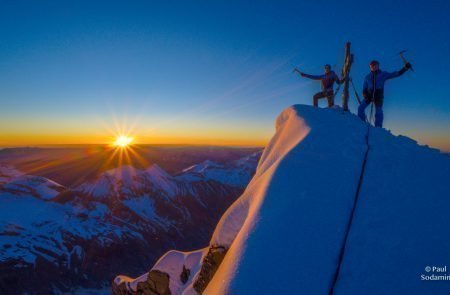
column 211, row 72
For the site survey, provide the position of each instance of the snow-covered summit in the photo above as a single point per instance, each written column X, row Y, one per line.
column 225, row 173
column 122, row 180
column 335, row 206
column 125, row 178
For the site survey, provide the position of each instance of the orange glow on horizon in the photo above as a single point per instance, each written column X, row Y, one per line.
column 98, row 131
column 238, row 139
column 46, row 140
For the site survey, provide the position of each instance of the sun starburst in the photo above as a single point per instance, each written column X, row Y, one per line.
column 123, row 141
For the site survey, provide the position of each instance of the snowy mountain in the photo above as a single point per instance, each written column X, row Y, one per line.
column 56, row 239
column 224, row 173
column 335, row 207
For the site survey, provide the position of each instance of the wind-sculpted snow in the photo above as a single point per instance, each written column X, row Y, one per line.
column 295, row 210
column 301, row 227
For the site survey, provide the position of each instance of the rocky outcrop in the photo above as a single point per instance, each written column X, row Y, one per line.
column 157, row 283
column 185, row 274
column 210, row 264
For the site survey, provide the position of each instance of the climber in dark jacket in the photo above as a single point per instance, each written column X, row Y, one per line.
column 326, row 80
column 373, row 90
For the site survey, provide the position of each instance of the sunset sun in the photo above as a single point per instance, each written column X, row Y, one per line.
column 123, row 141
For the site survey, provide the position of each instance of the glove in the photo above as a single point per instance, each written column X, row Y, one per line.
column 407, row 66
column 366, row 95
column 298, row 71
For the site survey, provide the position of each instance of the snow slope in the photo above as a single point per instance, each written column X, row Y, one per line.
column 402, row 223
column 301, row 228
column 300, row 200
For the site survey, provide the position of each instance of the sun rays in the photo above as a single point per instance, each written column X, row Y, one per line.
column 123, row 141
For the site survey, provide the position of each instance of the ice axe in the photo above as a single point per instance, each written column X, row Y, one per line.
column 404, row 59
column 296, row 70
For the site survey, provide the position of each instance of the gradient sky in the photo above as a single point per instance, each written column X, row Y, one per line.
column 198, row 72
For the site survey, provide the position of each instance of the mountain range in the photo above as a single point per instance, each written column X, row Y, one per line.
column 56, row 239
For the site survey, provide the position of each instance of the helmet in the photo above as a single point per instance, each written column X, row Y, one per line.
column 374, row 62
column 327, row 66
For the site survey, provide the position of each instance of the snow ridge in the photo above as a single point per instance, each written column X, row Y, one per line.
column 299, row 148
column 324, row 215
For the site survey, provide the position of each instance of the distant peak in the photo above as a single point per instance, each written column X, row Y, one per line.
column 155, row 169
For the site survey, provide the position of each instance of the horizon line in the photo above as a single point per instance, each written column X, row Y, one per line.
column 106, row 145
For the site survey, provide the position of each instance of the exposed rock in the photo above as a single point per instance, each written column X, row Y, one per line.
column 120, row 289
column 185, row 274
column 157, row 283
column 210, row 265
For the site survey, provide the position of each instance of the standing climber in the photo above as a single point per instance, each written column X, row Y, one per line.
column 326, row 80
column 373, row 90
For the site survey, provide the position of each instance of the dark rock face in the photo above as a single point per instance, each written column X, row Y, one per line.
column 210, row 264
column 185, row 274
column 157, row 283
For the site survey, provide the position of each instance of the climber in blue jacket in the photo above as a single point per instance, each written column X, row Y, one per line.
column 373, row 90
column 326, row 80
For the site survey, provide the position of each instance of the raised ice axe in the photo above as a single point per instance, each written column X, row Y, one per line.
column 404, row 59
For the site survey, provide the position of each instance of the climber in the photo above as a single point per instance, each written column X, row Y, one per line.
column 373, row 90
column 327, row 80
